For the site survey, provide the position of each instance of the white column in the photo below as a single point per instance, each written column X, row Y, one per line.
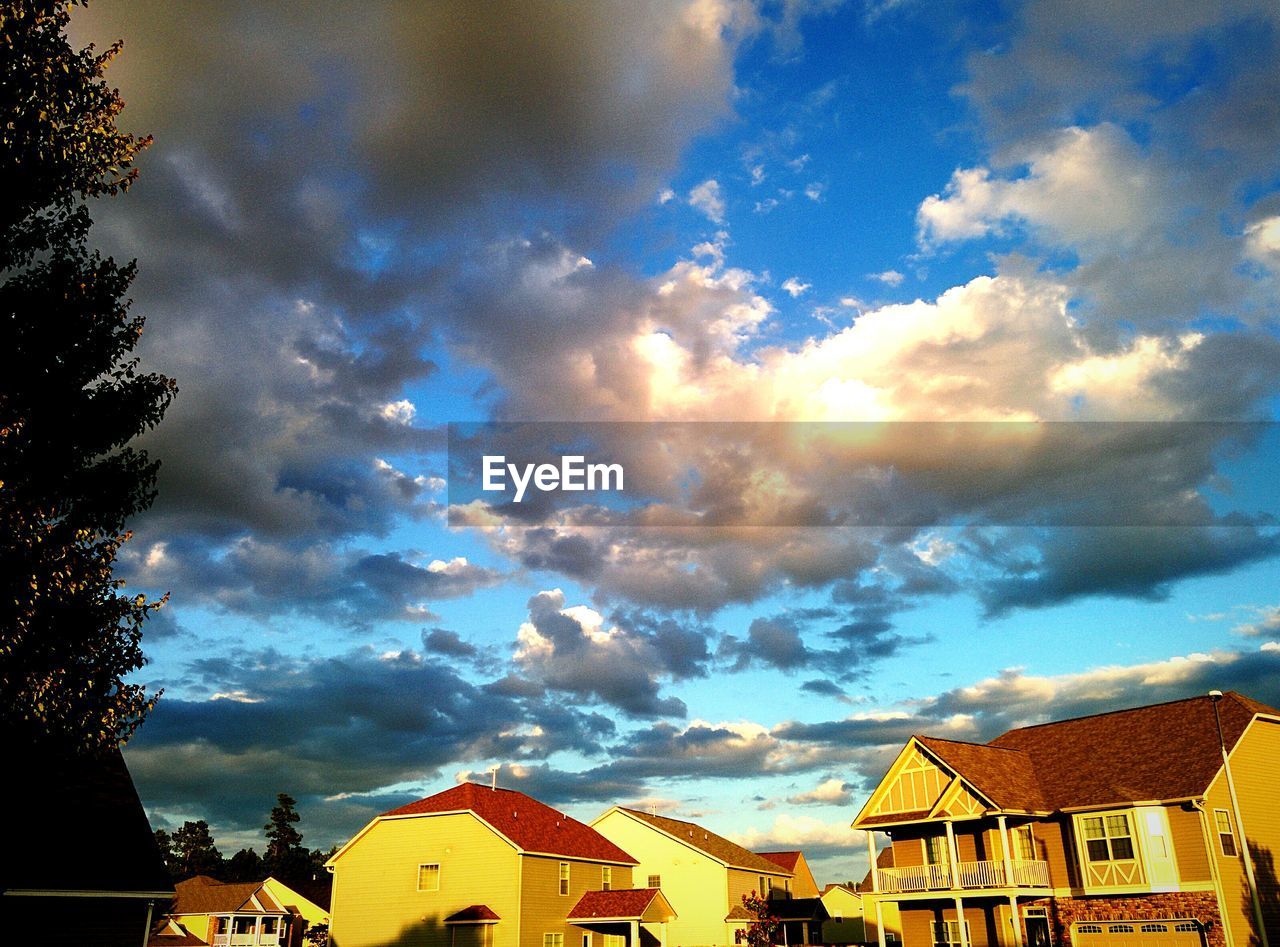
column 257, row 930
column 1008, row 856
column 879, row 924
column 1017, row 923
column 953, row 855
column 964, row 933
column 635, row 934
column 871, row 853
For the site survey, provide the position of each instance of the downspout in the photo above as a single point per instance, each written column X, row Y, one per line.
column 1198, row 805
column 146, row 931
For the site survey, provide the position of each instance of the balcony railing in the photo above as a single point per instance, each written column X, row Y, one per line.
column 981, row 874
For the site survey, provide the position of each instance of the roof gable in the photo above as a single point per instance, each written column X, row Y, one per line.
column 721, row 849
column 527, row 823
column 643, row 904
column 205, row 895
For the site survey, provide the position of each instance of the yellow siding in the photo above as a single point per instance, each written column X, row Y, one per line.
column 197, row 924
column 847, row 906
column 1188, row 844
column 803, row 884
column 376, row 901
column 544, row 909
column 1257, row 777
column 740, row 882
column 296, row 903
column 915, row 785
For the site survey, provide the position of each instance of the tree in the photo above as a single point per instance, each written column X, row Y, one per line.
column 765, row 927
column 285, row 855
column 193, row 852
column 245, row 865
column 318, row 935
column 72, row 397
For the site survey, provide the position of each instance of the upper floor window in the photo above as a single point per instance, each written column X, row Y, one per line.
column 1108, row 838
column 429, row 877
column 935, row 850
column 1226, row 832
column 1024, row 844
column 606, row 878
column 655, row 881
column 564, row 877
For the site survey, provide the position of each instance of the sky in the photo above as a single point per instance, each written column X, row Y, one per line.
column 360, row 223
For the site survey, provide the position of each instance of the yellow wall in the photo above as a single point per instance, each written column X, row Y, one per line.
column 694, row 883
column 375, row 896
column 293, row 901
column 803, row 884
column 1257, row 777
column 544, row 909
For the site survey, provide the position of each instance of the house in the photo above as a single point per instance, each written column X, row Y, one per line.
column 479, row 866
column 245, row 914
column 803, row 884
column 1121, row 829
column 703, row 875
column 844, row 924
column 84, row 867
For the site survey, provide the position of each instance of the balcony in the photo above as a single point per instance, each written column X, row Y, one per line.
column 972, row 875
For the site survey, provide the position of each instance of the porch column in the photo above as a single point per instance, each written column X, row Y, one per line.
column 879, row 923
column 257, row 930
column 1008, row 855
column 964, row 933
column 871, row 853
column 635, row 934
column 1017, row 922
column 953, row 855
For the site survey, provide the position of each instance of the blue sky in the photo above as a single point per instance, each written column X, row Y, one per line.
column 359, row 223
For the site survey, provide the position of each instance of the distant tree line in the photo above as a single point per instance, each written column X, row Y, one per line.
column 190, row 851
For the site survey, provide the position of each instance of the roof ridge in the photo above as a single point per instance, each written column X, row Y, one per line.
column 984, row 746
column 1106, row 713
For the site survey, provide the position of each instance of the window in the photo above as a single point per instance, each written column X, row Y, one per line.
column 429, row 877
column 1183, row 927
column 606, row 878
column 242, row 925
column 1121, row 929
column 553, row 940
column 1024, row 844
column 1154, row 928
column 1226, row 832
column 564, row 877
column 935, row 850
column 586, row 940
column 269, row 925
column 946, row 933
column 655, row 881
column 762, row 890
column 1088, row 928
column 1108, row 838
column 615, row 940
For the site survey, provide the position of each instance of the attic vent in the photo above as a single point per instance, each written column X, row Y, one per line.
column 515, row 815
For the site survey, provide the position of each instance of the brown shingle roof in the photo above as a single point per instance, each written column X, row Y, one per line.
column 205, row 895
column 707, row 841
column 625, row 902
column 1002, row 774
column 533, row 826
column 1162, row 751
column 1158, row 752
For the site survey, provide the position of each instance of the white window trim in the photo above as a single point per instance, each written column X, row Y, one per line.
column 439, row 872
column 563, row 882
column 1231, row 831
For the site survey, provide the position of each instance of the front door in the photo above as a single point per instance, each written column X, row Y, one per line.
column 1038, row 932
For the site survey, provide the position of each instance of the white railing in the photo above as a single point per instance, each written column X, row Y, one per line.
column 1030, row 874
column 979, row 874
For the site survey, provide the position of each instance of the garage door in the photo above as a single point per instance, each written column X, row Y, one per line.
column 1178, row 932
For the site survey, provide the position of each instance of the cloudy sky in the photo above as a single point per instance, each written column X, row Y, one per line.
column 361, row 222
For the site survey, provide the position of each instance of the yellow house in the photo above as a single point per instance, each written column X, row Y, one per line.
column 237, row 914
column 703, row 875
column 1124, row 829
column 476, row 866
column 845, row 923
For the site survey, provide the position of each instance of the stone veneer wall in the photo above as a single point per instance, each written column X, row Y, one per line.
column 1200, row 905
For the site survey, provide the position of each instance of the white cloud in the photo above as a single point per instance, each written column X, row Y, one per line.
column 399, row 412
column 795, row 287
column 829, row 792
column 814, row 190
column 707, row 199
column 889, row 277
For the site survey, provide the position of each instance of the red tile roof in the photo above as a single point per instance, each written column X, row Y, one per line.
column 785, row 860
column 530, row 824
column 626, row 902
column 474, row 914
column 707, row 841
column 1158, row 752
